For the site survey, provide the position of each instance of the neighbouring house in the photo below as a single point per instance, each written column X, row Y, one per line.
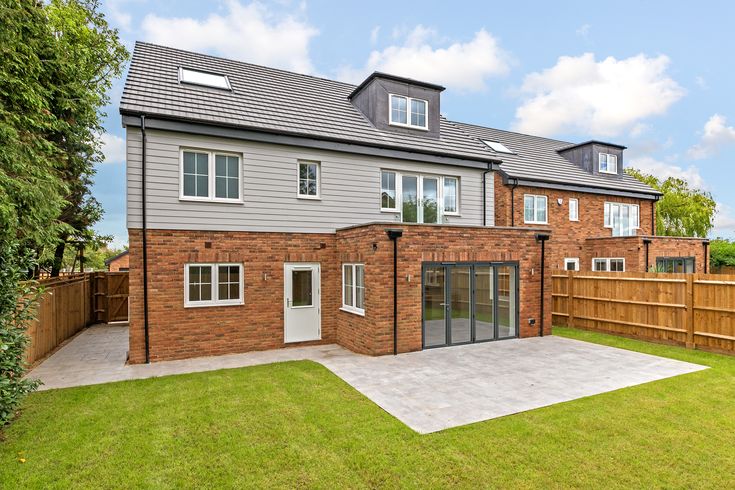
column 269, row 208
column 119, row 263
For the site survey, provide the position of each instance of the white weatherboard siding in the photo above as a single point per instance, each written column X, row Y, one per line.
column 350, row 188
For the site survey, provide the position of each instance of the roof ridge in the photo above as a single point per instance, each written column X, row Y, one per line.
column 513, row 132
column 231, row 60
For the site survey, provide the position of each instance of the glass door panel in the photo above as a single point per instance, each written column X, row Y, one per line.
column 430, row 200
column 484, row 303
column 435, row 325
column 506, row 286
column 301, row 291
column 410, row 194
column 461, row 308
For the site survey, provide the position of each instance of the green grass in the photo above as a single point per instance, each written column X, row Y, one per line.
column 295, row 424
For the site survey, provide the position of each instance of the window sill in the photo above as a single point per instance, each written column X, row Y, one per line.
column 210, row 304
column 216, row 201
column 535, row 222
column 353, row 311
column 608, row 172
column 408, row 126
column 386, row 210
column 309, row 198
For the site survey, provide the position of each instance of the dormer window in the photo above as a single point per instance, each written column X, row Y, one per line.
column 205, row 79
column 608, row 163
column 407, row 111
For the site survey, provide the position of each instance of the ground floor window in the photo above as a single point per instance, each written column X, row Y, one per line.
column 571, row 264
column 675, row 264
column 213, row 284
column 353, row 288
column 469, row 302
column 608, row 265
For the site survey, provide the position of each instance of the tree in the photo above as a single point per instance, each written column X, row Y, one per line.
column 722, row 252
column 683, row 210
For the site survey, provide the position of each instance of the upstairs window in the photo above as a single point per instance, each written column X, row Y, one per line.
column 407, row 111
column 210, row 176
column 419, row 198
column 608, row 163
column 573, row 210
column 451, row 191
column 622, row 218
column 388, row 191
column 196, row 77
column 534, row 209
column 309, row 180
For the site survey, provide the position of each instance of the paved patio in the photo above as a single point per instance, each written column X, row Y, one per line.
column 429, row 391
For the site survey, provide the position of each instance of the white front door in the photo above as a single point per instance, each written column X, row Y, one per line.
column 301, row 302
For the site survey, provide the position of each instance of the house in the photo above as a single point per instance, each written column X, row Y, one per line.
column 268, row 208
column 119, row 263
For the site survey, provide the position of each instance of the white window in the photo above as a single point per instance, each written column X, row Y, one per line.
column 608, row 163
column 406, row 111
column 608, row 265
column 308, row 180
column 497, row 146
column 573, row 210
column 388, row 189
column 196, row 77
column 624, row 219
column 213, row 284
column 419, row 198
column 353, row 288
column 534, row 209
column 571, row 264
column 210, row 176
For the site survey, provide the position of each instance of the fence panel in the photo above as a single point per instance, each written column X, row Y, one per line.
column 695, row 310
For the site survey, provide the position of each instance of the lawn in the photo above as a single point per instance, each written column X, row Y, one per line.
column 295, row 424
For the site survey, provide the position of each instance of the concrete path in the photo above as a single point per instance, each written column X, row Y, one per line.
column 429, row 391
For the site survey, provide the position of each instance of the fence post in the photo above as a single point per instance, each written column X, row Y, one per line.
column 689, row 321
column 570, row 299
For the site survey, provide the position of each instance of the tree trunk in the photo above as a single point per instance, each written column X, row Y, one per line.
column 58, row 259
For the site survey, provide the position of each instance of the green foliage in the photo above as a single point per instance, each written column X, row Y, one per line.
column 722, row 252
column 683, row 210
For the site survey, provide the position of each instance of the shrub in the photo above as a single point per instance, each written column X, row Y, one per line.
column 722, row 252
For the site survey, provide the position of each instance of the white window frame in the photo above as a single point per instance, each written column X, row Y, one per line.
column 607, row 261
column 215, row 285
column 608, row 219
column 211, row 167
column 353, row 308
column 535, row 200
column 420, row 188
column 608, row 157
column 571, row 260
column 318, row 179
column 202, row 82
column 574, row 216
column 407, row 124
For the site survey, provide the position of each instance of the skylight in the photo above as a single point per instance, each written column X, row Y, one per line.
column 195, row 77
column 499, row 147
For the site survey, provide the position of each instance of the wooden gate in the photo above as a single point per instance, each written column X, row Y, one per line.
column 111, row 296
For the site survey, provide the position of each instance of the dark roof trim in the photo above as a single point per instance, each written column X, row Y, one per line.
column 155, row 122
column 395, row 78
column 579, row 188
column 591, row 142
column 121, row 254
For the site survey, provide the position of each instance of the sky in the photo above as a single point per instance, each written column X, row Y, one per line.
column 654, row 76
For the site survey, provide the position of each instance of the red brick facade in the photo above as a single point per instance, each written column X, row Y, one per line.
column 177, row 332
column 121, row 263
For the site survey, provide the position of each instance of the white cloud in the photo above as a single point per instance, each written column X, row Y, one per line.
column 113, row 147
column 584, row 30
column 374, row 33
column 701, row 83
column 462, row 66
column 250, row 33
column 603, row 98
column 715, row 135
column 724, row 222
column 118, row 16
column 664, row 170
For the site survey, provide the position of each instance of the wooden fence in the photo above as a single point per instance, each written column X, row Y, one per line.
column 69, row 304
column 693, row 310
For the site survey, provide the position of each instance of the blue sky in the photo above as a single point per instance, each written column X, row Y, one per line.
column 654, row 76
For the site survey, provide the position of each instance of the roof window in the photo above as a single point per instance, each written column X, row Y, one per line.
column 498, row 147
column 195, row 77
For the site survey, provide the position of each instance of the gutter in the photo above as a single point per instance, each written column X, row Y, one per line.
column 394, row 234
column 145, row 245
column 646, row 242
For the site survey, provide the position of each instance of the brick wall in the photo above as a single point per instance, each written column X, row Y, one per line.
column 119, row 263
column 568, row 236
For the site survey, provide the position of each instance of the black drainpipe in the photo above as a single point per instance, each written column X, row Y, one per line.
column 653, row 216
column 145, row 247
column 394, row 235
column 646, row 242
column 513, row 203
column 706, row 262
column 542, row 237
column 484, row 193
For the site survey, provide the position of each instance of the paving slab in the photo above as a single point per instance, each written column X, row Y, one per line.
column 428, row 391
